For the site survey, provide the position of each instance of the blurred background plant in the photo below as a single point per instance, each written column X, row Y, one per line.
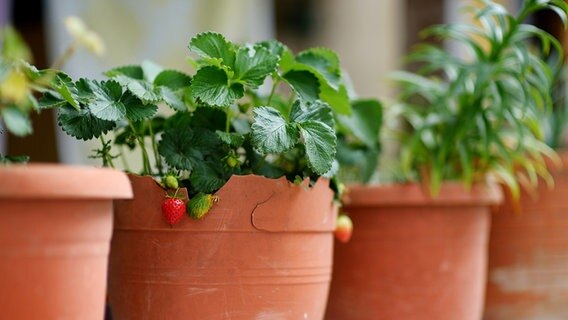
column 478, row 114
column 18, row 84
column 555, row 122
column 21, row 83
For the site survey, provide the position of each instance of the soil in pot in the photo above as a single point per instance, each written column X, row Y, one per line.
column 263, row 252
column 413, row 257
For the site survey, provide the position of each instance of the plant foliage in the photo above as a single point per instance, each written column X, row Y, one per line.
column 19, row 82
column 220, row 121
column 479, row 114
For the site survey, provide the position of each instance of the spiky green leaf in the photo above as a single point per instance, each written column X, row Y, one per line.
column 211, row 86
column 271, row 133
column 82, row 124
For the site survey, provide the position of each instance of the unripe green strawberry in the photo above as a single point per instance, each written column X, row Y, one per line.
column 232, row 161
column 200, row 205
column 344, row 228
column 173, row 210
column 171, row 182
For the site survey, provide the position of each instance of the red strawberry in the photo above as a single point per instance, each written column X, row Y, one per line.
column 173, row 210
column 344, row 228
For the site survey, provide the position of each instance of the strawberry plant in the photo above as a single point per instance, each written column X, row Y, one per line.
column 478, row 114
column 221, row 121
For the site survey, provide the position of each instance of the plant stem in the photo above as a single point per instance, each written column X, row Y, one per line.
column 65, row 56
column 155, row 148
column 107, row 158
column 145, row 159
column 123, row 159
column 228, row 120
column 274, row 85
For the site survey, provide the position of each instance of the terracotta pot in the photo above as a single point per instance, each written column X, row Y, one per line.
column 411, row 256
column 528, row 257
column 263, row 252
column 55, row 229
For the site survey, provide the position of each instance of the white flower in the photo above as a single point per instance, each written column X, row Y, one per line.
column 87, row 38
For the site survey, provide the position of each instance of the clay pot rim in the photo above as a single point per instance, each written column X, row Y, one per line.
column 56, row 181
column 234, row 177
column 413, row 195
column 256, row 210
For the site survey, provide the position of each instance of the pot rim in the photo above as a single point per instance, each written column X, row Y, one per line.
column 56, row 181
column 245, row 202
column 414, row 195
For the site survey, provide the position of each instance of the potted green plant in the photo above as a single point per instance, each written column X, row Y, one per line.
column 255, row 167
column 471, row 120
column 528, row 237
column 55, row 220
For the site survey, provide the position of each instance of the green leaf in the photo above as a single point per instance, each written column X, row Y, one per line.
column 337, row 99
column 142, row 89
column 172, row 99
column 320, row 142
column 324, row 61
column 214, row 46
column 365, row 121
column 271, row 133
column 209, row 118
column 304, row 83
column 308, row 111
column 332, row 171
column 83, row 91
column 107, row 104
column 131, row 71
column 171, row 85
column 275, row 47
column 48, row 101
column 82, row 124
column 507, row 177
column 177, row 150
column 16, row 121
column 207, row 177
column 253, row 65
column 324, row 65
column 136, row 110
column 13, row 45
column 184, row 148
column 150, row 70
column 211, row 86
column 172, row 79
column 232, row 139
column 358, row 163
column 63, row 85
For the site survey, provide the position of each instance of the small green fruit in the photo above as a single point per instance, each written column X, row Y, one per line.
column 200, row 205
column 171, row 182
column 232, row 161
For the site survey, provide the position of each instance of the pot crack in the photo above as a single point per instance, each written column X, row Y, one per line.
column 254, row 210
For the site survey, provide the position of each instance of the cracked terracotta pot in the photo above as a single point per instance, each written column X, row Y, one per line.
column 263, row 252
column 528, row 256
column 55, row 230
column 411, row 256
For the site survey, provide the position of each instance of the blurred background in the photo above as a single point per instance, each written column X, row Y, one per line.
column 370, row 36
